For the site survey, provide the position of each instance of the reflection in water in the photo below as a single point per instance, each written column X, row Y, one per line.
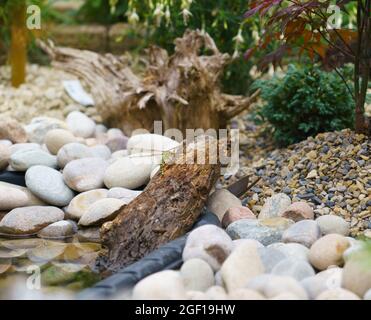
column 35, row 268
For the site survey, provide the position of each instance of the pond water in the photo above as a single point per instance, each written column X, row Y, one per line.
column 35, row 268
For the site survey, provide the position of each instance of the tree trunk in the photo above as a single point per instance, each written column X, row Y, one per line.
column 182, row 90
column 167, row 208
column 361, row 121
column 18, row 49
column 362, row 67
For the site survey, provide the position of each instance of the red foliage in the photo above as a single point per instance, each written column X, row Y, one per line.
column 300, row 25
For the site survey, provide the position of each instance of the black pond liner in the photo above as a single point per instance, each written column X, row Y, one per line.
column 166, row 257
column 13, row 177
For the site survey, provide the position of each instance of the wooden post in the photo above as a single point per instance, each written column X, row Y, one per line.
column 18, row 49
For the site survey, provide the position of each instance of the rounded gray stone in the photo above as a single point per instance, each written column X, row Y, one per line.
column 305, row 232
column 23, row 146
column 85, row 174
column 80, row 124
column 197, row 275
column 12, row 197
column 271, row 285
column 333, row 224
column 58, row 230
column 275, row 206
column 129, row 172
column 292, row 250
column 72, row 151
column 29, row 220
column 101, row 151
column 117, row 143
column 89, row 235
column 266, row 231
column 238, row 242
column 99, row 129
column 270, row 257
column 40, row 126
column 48, row 184
column 209, row 243
column 101, row 211
column 297, row 269
column 22, row 160
column 322, row 281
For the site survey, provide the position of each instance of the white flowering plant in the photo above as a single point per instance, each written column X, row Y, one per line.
column 165, row 20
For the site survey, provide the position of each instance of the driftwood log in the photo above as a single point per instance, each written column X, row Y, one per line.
column 182, row 90
column 166, row 209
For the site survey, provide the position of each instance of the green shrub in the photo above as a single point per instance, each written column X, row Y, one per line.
column 306, row 101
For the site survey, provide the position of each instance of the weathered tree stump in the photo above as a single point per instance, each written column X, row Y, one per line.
column 183, row 90
column 166, row 209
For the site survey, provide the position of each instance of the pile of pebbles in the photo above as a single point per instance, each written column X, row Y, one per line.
column 330, row 171
column 41, row 94
column 291, row 237
column 281, row 254
column 78, row 174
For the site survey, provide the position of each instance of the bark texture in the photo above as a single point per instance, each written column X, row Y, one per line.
column 182, row 90
column 167, row 208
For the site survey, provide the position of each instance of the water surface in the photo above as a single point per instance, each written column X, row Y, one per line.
column 35, row 268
